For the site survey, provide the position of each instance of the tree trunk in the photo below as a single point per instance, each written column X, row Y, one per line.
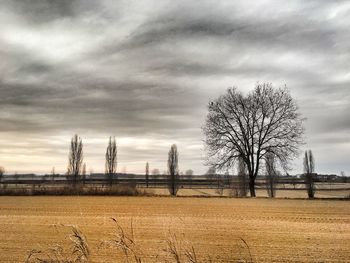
column 252, row 187
column 173, row 184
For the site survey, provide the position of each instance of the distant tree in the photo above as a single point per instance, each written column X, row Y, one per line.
column 249, row 126
column 270, row 174
column 211, row 173
column 53, row 173
column 16, row 176
column 309, row 168
column 147, row 173
column 173, row 169
column 242, row 178
column 343, row 176
column 2, row 171
column 75, row 159
column 124, row 169
column 219, row 184
column 111, row 159
column 189, row 174
column 219, row 181
column 155, row 173
column 83, row 173
column 227, row 177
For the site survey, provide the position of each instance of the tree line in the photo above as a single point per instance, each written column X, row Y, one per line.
column 76, row 167
column 263, row 126
column 256, row 131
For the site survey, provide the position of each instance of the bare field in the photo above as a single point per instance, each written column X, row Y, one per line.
column 275, row 230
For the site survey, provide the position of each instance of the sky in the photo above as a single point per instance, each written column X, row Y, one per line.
column 145, row 71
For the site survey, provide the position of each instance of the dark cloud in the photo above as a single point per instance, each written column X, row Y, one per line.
column 44, row 11
column 145, row 72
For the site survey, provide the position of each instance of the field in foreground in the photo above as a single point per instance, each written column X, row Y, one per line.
column 275, row 230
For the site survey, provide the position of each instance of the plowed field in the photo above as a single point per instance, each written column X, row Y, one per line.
column 275, row 230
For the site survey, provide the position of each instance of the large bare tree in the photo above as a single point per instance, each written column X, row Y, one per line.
column 111, row 159
column 173, row 169
column 249, row 126
column 75, row 159
column 309, row 168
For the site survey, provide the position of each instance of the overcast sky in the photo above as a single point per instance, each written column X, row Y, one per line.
column 145, row 71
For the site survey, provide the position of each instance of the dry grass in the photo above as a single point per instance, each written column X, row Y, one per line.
column 204, row 229
column 333, row 190
column 79, row 250
column 124, row 242
column 121, row 189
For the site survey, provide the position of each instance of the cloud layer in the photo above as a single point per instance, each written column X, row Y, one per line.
column 144, row 72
